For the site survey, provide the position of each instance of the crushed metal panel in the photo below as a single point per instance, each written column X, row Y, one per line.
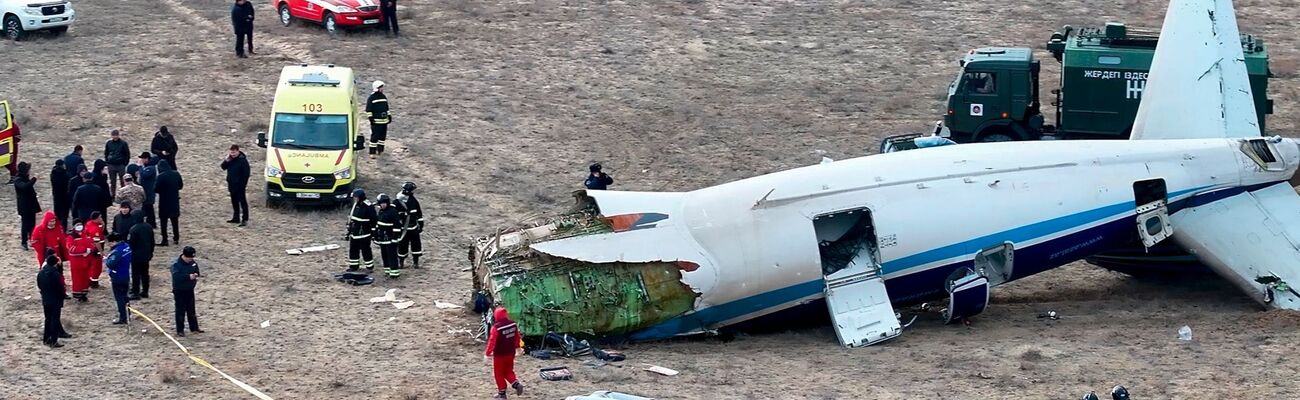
column 595, row 299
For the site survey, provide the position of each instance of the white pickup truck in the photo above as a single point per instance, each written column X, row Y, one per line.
column 18, row 17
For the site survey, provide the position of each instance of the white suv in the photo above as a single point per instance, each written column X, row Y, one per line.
column 17, row 17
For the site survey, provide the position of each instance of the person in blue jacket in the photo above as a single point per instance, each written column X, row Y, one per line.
column 119, row 272
column 597, row 180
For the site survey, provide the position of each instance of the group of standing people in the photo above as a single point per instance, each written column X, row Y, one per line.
column 394, row 225
column 124, row 243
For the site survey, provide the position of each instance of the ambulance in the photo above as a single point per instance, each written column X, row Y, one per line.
column 312, row 142
column 8, row 136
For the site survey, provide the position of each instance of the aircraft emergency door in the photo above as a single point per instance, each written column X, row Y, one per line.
column 1152, row 200
column 855, row 291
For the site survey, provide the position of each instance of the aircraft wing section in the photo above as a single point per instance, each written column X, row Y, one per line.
column 1252, row 239
column 1197, row 87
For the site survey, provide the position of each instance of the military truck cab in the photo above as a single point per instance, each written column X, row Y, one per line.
column 995, row 97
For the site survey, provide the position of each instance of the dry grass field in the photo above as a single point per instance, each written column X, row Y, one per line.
column 499, row 107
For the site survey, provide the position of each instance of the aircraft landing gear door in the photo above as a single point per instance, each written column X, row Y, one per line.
column 855, row 291
column 1152, row 199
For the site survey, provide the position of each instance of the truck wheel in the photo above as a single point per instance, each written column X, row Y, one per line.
column 996, row 137
column 331, row 26
column 285, row 18
column 13, row 28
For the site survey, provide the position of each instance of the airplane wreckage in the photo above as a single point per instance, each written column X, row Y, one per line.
column 875, row 232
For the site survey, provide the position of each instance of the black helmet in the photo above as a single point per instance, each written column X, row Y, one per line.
column 1090, row 396
column 595, row 167
column 383, row 198
column 1119, row 393
column 408, row 186
column 358, row 194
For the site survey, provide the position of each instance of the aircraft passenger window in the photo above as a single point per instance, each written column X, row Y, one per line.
column 1154, row 226
column 980, row 83
column 1108, row 60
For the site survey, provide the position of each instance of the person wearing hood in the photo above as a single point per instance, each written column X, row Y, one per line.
column 81, row 247
column 95, row 230
column 73, row 183
column 237, row 172
column 119, row 273
column 140, row 237
column 168, row 187
column 73, row 160
column 28, row 205
column 62, row 199
column 504, row 340
column 49, row 236
column 125, row 218
column 145, row 172
column 185, row 276
column 117, row 153
column 377, row 108
column 88, row 198
column 50, row 282
column 164, row 146
column 101, row 179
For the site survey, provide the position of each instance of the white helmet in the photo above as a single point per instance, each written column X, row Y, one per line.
column 377, row 85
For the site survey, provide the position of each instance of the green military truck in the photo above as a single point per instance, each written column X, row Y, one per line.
column 1103, row 72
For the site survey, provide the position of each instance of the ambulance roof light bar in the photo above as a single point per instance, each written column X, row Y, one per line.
column 313, row 79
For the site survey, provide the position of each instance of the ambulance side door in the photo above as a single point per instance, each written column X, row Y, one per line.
column 8, row 131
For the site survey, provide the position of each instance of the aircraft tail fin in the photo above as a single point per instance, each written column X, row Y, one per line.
column 1198, row 86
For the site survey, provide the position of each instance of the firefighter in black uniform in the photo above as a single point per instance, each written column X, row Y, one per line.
column 410, row 244
column 361, row 224
column 377, row 107
column 387, row 234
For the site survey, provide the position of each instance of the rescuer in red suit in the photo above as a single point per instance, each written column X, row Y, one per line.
column 504, row 341
column 81, row 248
column 49, row 236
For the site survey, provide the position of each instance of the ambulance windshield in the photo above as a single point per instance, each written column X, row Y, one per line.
column 310, row 131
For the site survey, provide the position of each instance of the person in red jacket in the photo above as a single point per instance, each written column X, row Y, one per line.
column 503, row 341
column 95, row 231
column 49, row 236
column 80, row 250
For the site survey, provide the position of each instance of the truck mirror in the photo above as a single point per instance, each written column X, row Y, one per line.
column 261, row 139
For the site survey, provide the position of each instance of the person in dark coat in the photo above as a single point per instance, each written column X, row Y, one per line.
column 117, row 153
column 101, row 179
column 28, row 205
column 378, row 108
column 237, row 171
column 50, row 282
column 164, row 146
column 146, row 171
column 62, row 199
column 73, row 161
column 74, row 182
column 597, row 180
column 241, row 16
column 168, row 187
column 389, row 9
column 125, row 219
column 185, row 276
column 88, row 199
column 140, row 238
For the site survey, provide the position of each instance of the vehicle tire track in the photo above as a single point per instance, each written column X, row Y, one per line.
column 295, row 53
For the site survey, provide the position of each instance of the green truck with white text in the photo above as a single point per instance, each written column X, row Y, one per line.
column 995, row 97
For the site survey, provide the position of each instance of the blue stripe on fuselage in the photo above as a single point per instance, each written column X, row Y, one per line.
column 929, row 282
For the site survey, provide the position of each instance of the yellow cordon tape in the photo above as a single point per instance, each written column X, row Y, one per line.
column 251, row 390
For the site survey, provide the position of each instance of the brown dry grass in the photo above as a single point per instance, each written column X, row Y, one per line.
column 500, row 106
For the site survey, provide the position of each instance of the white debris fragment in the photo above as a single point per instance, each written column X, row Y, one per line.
column 827, row 160
column 440, row 304
column 27, row 298
column 312, row 249
column 388, row 297
column 1185, row 333
column 660, row 370
column 456, row 331
column 402, row 305
column 266, row 324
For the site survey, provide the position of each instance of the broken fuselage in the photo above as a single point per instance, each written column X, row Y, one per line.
column 655, row 265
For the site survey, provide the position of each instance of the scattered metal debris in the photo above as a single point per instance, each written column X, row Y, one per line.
column 607, row 395
column 312, row 249
column 660, row 370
